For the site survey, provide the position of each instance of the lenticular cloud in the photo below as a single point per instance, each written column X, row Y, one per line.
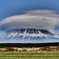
column 34, row 19
column 35, row 26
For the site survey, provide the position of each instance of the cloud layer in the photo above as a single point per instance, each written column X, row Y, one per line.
column 37, row 19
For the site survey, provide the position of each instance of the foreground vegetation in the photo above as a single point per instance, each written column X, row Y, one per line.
column 2, row 45
column 46, row 51
column 29, row 55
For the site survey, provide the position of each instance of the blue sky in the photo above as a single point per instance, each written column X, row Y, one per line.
column 16, row 7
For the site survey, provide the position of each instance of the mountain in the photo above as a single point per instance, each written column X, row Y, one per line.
column 29, row 33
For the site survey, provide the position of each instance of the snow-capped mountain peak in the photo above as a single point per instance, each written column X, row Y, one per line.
column 29, row 33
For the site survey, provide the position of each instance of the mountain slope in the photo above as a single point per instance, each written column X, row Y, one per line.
column 29, row 33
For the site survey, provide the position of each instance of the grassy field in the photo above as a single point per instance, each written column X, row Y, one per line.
column 29, row 55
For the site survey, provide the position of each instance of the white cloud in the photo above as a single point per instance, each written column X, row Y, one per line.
column 38, row 19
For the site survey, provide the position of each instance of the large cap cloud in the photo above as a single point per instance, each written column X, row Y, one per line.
column 37, row 19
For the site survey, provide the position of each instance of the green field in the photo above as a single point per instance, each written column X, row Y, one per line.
column 29, row 55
